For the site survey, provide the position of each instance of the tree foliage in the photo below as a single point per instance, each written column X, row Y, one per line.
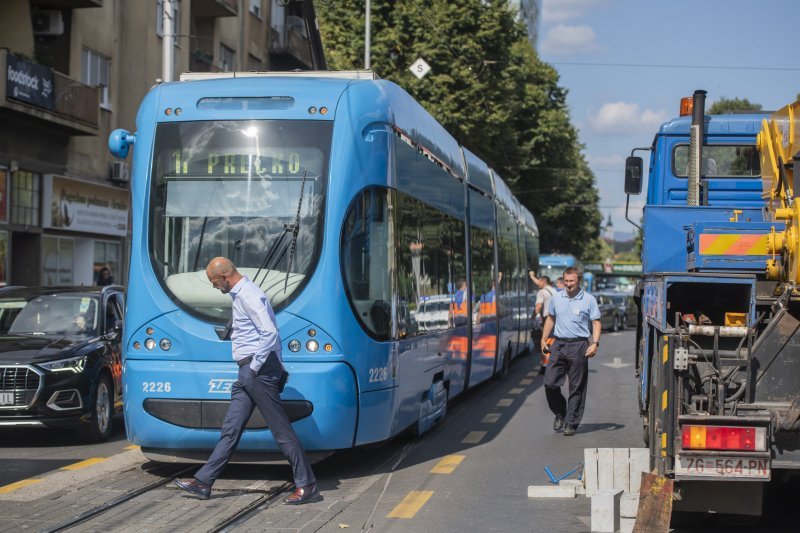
column 728, row 105
column 489, row 89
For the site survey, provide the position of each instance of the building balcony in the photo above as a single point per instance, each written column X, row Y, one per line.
column 215, row 8
column 292, row 40
column 42, row 94
column 66, row 4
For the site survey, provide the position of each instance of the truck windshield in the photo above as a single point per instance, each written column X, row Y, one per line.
column 233, row 189
column 720, row 161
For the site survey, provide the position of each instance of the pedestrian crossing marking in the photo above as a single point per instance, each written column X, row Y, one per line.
column 447, row 464
column 526, row 381
column 411, row 504
column 84, row 464
column 491, row 418
column 531, row 374
column 11, row 487
column 515, row 390
column 473, row 437
column 505, row 402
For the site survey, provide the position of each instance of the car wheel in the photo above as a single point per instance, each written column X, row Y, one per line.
column 624, row 323
column 615, row 324
column 102, row 414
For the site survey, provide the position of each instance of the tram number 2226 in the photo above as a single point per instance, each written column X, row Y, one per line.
column 156, row 386
column 379, row 374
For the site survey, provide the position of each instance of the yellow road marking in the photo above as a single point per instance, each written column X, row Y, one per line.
column 473, row 437
column 447, row 464
column 515, row 390
column 664, row 403
column 411, row 504
column 505, row 402
column 525, row 381
column 491, row 418
column 133, row 447
column 84, row 464
column 11, row 487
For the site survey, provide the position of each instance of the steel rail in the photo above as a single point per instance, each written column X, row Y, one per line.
column 245, row 514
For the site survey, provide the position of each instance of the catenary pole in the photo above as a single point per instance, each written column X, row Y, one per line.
column 367, row 38
column 167, row 41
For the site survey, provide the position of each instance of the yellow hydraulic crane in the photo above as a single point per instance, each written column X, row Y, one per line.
column 779, row 148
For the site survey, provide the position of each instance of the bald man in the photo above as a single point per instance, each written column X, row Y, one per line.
column 256, row 348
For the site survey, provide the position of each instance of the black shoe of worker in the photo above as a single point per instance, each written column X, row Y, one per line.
column 194, row 487
column 558, row 423
column 302, row 495
column 569, row 430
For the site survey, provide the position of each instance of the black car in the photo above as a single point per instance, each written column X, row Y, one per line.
column 610, row 314
column 60, row 360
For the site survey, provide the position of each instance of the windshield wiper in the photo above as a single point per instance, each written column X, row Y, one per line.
column 295, row 231
column 203, row 229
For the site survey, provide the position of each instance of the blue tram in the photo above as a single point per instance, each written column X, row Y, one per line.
column 396, row 260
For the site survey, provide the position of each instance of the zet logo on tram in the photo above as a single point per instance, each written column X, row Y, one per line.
column 221, row 386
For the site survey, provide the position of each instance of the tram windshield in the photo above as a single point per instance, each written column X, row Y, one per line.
column 252, row 191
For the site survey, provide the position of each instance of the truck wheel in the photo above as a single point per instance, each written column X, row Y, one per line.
column 100, row 421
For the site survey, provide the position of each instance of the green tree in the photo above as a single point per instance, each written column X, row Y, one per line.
column 489, row 89
column 728, row 105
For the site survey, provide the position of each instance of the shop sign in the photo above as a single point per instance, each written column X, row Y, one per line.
column 87, row 207
column 29, row 82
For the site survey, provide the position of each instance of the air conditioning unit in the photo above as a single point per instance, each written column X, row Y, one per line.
column 120, row 172
column 47, row 22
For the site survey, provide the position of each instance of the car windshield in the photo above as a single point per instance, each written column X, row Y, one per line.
column 55, row 314
column 236, row 189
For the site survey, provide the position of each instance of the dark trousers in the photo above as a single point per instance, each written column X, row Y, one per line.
column 567, row 359
column 257, row 390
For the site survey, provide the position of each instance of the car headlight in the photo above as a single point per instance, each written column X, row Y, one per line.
column 73, row 364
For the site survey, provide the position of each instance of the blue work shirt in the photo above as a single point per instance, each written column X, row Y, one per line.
column 574, row 315
column 255, row 331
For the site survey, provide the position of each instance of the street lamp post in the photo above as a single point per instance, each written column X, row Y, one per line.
column 367, row 38
column 168, row 41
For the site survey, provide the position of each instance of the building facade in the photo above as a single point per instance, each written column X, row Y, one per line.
column 73, row 71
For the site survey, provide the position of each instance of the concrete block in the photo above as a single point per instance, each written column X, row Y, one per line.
column 590, row 470
column 605, row 511
column 551, row 491
column 626, row 525
column 640, row 462
column 577, row 483
column 629, row 505
column 605, row 468
column 622, row 469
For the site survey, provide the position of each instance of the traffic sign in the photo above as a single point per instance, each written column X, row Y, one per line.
column 419, row 68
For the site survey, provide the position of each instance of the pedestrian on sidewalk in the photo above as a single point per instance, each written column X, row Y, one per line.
column 571, row 313
column 256, row 348
column 541, row 306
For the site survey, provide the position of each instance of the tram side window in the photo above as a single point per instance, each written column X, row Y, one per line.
column 431, row 268
column 368, row 259
column 507, row 260
column 482, row 249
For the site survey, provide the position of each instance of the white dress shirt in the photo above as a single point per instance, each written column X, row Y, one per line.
column 255, row 331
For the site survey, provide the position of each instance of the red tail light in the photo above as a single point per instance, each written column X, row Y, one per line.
column 750, row 439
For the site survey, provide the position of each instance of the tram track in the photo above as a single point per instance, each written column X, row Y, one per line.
column 266, row 499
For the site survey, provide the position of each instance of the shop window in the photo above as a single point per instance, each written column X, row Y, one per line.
column 3, row 195
column 58, row 257
column 106, row 256
column 25, row 198
column 3, row 258
column 94, row 72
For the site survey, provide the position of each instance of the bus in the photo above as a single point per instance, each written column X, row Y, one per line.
column 553, row 265
column 356, row 213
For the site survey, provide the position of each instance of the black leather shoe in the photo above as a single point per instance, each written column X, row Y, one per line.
column 558, row 423
column 569, row 430
column 194, row 487
column 302, row 495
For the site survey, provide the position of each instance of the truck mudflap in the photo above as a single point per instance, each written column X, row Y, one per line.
column 723, row 448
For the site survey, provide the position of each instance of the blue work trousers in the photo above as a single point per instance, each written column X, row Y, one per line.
column 567, row 359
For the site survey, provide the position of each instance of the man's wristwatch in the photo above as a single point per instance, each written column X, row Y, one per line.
column 595, row 342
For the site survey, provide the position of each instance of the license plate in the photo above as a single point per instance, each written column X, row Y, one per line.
column 6, row 398
column 722, row 467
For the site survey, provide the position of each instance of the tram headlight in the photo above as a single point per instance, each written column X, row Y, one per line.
column 328, row 347
column 294, row 345
column 149, row 331
column 137, row 345
column 312, row 345
column 150, row 344
column 165, row 344
column 312, row 333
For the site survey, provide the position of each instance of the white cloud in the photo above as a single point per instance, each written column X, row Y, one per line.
column 625, row 117
column 566, row 40
column 563, row 10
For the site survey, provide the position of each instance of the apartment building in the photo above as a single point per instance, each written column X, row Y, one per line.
column 72, row 71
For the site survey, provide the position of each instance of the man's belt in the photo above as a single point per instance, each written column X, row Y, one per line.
column 244, row 360
column 572, row 339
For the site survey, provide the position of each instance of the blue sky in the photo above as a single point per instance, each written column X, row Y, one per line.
column 618, row 108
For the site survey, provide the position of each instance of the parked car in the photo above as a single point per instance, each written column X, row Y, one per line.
column 60, row 359
column 610, row 314
column 627, row 307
